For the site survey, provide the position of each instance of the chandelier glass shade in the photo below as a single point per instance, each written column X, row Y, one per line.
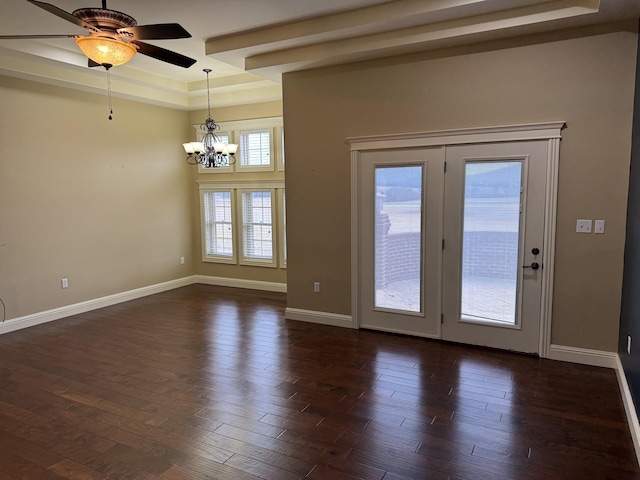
column 210, row 152
column 106, row 51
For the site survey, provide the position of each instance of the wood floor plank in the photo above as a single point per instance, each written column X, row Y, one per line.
column 206, row 382
column 69, row 469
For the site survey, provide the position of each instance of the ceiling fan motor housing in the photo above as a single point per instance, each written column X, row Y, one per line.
column 110, row 20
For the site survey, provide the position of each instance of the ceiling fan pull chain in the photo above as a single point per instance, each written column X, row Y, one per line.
column 109, row 91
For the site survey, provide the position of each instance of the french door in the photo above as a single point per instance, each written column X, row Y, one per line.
column 494, row 231
column 401, row 219
column 451, row 242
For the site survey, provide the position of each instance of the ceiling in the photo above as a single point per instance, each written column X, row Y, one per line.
column 249, row 43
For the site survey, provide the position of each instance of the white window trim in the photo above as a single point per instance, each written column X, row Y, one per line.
column 279, row 141
column 233, row 259
column 236, row 187
column 233, row 129
column 271, row 262
column 270, row 167
column 282, row 227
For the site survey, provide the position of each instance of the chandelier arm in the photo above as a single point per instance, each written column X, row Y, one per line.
column 193, row 159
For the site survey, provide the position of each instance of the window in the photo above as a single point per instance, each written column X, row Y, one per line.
column 260, row 145
column 243, row 217
column 282, row 227
column 257, row 226
column 217, row 213
column 255, row 149
column 243, row 222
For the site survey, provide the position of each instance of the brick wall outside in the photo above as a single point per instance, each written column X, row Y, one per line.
column 490, row 254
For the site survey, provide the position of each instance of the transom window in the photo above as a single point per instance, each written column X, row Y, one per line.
column 260, row 145
column 255, row 148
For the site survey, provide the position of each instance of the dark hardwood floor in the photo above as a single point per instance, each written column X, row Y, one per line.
column 212, row 383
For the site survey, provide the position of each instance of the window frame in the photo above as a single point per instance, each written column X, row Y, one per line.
column 246, row 260
column 236, row 187
column 233, row 129
column 270, row 131
column 216, row 258
column 281, row 211
column 279, row 141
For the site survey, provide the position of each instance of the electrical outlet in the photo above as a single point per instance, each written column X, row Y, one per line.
column 316, row 287
column 181, row 260
column 65, row 283
column 583, row 226
column 629, row 344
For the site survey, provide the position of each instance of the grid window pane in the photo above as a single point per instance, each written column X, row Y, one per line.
column 257, row 228
column 255, row 148
column 218, row 224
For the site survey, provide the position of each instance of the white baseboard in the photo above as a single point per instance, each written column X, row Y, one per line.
column 596, row 358
column 600, row 358
column 324, row 318
column 241, row 283
column 82, row 307
column 629, row 406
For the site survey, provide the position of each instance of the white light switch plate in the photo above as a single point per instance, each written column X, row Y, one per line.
column 599, row 226
column 583, row 226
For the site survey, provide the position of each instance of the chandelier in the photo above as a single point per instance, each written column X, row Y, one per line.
column 210, row 152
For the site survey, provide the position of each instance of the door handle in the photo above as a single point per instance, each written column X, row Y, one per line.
column 533, row 266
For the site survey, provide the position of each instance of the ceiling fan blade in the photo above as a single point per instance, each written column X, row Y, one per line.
column 161, row 31
column 91, row 63
column 65, row 15
column 164, row 55
column 19, row 37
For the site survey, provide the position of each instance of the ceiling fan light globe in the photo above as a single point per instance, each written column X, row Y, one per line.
column 106, row 50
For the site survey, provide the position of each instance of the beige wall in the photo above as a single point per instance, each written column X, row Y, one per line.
column 585, row 78
column 102, row 203
column 229, row 114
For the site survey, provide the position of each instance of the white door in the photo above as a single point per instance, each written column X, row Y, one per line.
column 401, row 195
column 453, row 255
column 492, row 258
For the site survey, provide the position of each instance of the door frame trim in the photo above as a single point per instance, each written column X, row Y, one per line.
column 549, row 132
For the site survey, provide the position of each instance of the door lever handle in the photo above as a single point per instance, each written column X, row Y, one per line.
column 533, row 266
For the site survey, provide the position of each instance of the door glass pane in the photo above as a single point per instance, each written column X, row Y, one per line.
column 491, row 231
column 398, row 234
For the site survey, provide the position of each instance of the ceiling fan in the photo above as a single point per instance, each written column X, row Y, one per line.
column 115, row 37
